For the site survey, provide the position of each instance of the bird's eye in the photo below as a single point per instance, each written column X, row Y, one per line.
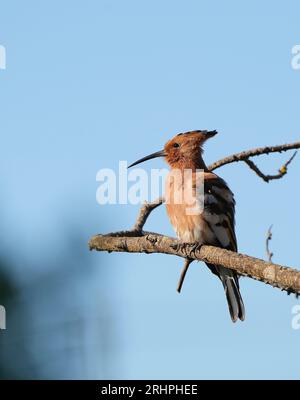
column 176, row 145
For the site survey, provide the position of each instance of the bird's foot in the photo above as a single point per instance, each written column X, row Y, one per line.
column 195, row 247
column 187, row 248
column 181, row 246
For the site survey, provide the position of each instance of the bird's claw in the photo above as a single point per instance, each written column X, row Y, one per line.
column 195, row 247
column 180, row 246
column 187, row 248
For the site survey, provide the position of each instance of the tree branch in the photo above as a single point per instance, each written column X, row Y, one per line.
column 145, row 212
column 245, row 155
column 267, row 178
column 138, row 241
column 279, row 276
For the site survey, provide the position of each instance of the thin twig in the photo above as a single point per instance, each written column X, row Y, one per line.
column 145, row 212
column 267, row 178
column 183, row 273
column 268, row 239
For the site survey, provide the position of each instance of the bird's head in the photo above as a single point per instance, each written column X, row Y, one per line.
column 183, row 150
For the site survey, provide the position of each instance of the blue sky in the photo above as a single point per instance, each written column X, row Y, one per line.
column 89, row 83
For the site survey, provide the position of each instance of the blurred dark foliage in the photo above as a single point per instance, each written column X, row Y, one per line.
column 58, row 321
column 7, row 296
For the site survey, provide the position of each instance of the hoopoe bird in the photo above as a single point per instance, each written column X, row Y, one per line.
column 213, row 218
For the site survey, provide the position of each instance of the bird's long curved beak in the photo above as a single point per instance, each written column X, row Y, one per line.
column 153, row 155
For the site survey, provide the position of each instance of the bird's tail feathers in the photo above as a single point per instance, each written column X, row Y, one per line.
column 233, row 295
